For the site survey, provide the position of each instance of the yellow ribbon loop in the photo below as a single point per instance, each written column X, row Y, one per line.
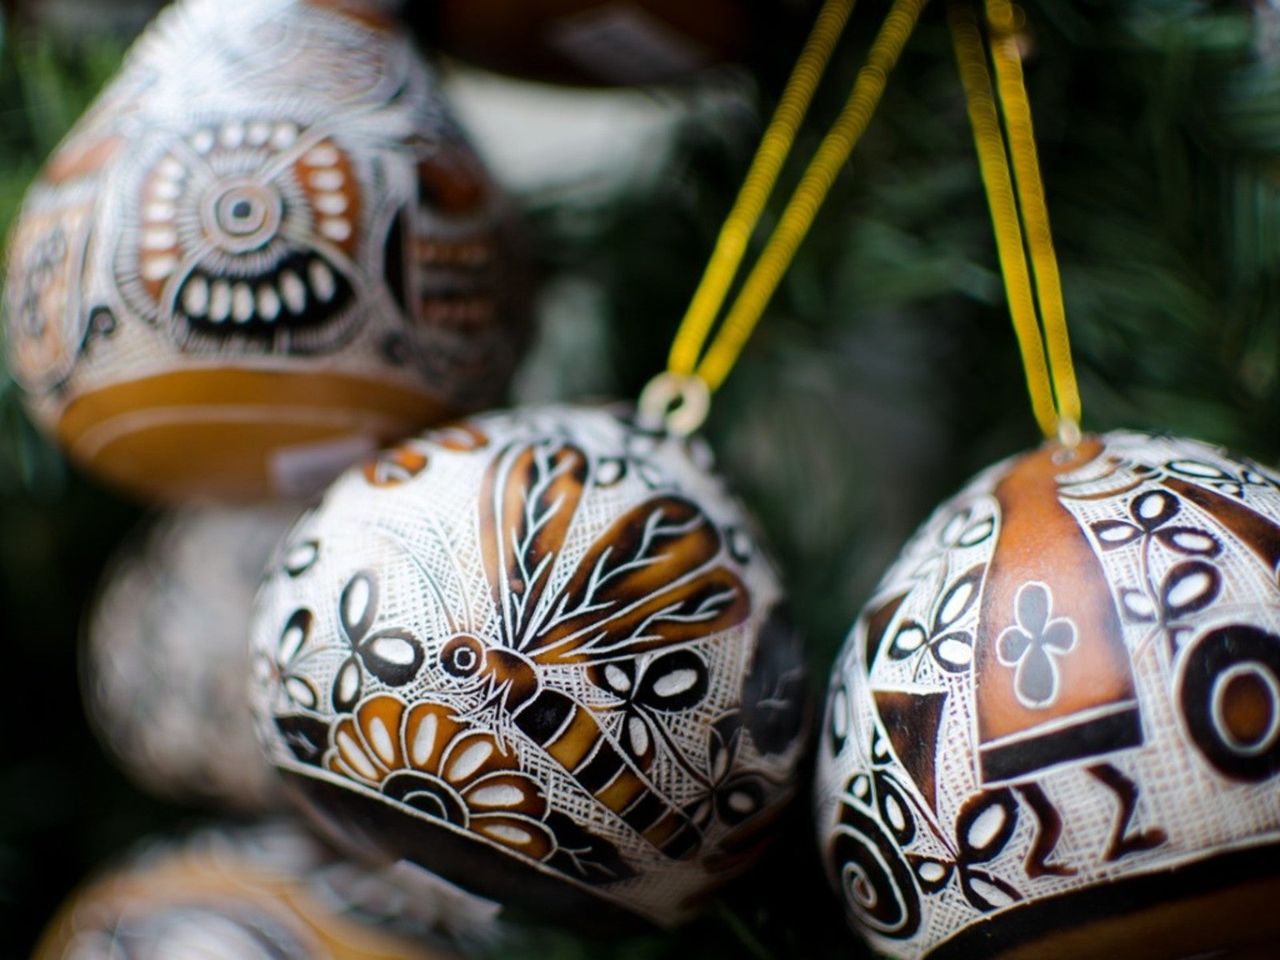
column 762, row 176
column 799, row 213
column 1015, row 194
column 810, row 193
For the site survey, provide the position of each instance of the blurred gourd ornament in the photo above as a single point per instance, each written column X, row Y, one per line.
column 268, row 892
column 540, row 654
column 597, row 42
column 1055, row 729
column 265, row 250
column 165, row 656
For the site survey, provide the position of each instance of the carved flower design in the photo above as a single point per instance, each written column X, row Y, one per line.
column 1030, row 647
column 284, row 670
column 394, row 656
column 667, row 684
column 428, row 758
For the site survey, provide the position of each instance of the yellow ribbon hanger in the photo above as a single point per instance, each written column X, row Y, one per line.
column 680, row 397
column 1020, row 218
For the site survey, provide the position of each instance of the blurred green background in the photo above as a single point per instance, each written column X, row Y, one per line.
column 884, row 373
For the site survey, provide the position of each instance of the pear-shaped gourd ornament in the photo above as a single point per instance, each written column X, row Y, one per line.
column 268, row 892
column 265, row 249
column 1055, row 729
column 541, row 654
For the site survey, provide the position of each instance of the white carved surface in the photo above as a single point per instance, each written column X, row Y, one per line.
column 267, row 892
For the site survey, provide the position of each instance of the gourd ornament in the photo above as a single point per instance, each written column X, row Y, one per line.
column 165, row 655
column 1055, row 729
column 542, row 654
column 268, row 892
column 598, row 42
column 265, row 250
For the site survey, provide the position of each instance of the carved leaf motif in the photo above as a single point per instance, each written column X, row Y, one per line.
column 1189, row 586
column 958, row 599
column 527, row 503
column 953, row 652
column 393, row 656
column 648, row 582
column 1154, row 509
column 584, row 854
column 1115, row 533
column 774, row 704
column 358, row 605
column 348, row 685
column 1190, row 541
column 673, row 682
column 932, row 873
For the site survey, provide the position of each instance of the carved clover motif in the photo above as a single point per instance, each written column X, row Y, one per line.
column 1030, row 648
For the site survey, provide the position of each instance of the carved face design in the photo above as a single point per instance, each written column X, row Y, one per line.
column 247, row 231
column 267, row 235
column 571, row 654
column 1065, row 694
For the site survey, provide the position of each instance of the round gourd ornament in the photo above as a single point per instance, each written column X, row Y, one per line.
column 266, row 249
column 1055, row 729
column 597, row 42
column 166, row 654
column 264, row 893
column 541, row 654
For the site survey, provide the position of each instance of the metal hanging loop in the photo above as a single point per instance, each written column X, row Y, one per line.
column 676, row 403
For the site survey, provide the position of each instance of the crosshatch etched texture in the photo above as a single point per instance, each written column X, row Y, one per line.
column 547, row 631
column 1070, row 679
column 268, row 221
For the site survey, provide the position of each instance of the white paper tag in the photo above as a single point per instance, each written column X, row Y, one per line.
column 302, row 470
column 622, row 43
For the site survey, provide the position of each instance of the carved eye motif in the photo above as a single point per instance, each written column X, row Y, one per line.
column 462, row 656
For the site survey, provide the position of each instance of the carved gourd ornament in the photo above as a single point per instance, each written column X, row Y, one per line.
column 542, row 654
column 1055, row 729
column 264, row 251
column 165, row 654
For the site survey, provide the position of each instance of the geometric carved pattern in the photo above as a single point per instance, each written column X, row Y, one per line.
column 1116, row 724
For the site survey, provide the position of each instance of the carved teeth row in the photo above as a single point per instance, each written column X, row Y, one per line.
column 236, row 133
column 328, row 181
column 238, row 302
